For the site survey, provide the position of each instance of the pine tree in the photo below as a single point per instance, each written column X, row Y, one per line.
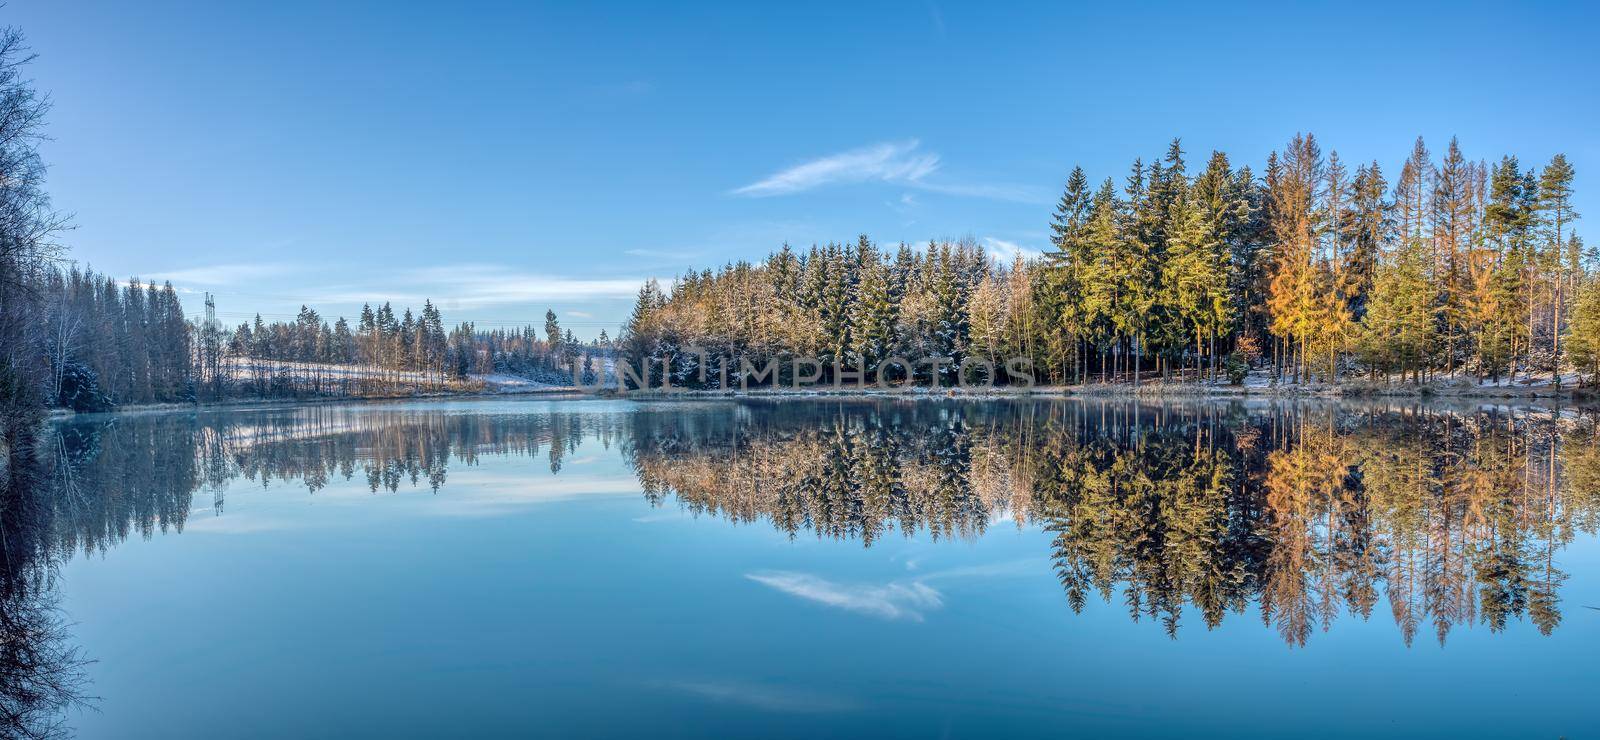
column 950, row 322
column 1501, row 267
column 344, row 343
column 988, row 319
column 1555, row 205
column 1101, row 296
column 1300, row 300
column 1583, row 330
column 1225, row 201
column 1071, row 214
column 1061, row 280
column 874, row 316
column 1370, row 226
column 1134, row 269
column 1452, row 214
column 1400, row 332
column 552, row 334
column 1194, row 277
column 641, row 341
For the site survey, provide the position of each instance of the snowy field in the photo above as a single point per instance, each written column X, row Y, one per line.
column 248, row 370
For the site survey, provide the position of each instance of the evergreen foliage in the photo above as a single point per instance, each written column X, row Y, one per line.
column 1313, row 272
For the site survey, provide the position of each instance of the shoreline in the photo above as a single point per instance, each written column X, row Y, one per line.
column 1150, row 391
column 249, row 403
column 1154, row 390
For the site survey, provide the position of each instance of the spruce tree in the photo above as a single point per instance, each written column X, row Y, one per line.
column 1071, row 214
column 1400, row 332
column 874, row 316
column 1060, row 284
column 1298, row 291
column 1583, row 330
column 1370, row 227
column 1555, row 206
column 1103, row 299
column 1452, row 214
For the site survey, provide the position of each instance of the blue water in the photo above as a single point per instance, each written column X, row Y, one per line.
column 516, row 601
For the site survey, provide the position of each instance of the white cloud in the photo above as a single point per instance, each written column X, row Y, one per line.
column 1014, row 193
column 887, row 162
column 889, row 601
column 232, row 523
column 467, row 493
column 906, row 204
column 898, row 162
column 769, row 698
column 222, row 274
column 481, row 285
column 903, row 599
column 478, row 493
column 666, row 254
column 1006, row 251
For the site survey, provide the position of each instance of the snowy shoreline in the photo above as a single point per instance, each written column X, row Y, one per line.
column 1254, row 388
column 1148, row 390
column 246, row 403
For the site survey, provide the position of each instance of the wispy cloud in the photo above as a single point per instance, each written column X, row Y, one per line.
column 765, row 697
column 902, row 163
column 1014, row 193
column 668, row 254
column 897, row 162
column 1006, row 251
column 489, row 494
column 234, row 524
column 906, row 204
column 230, row 274
column 898, row 600
column 483, row 285
column 472, row 493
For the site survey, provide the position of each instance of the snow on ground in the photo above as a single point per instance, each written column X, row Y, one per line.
column 1258, row 379
column 247, row 369
column 507, row 383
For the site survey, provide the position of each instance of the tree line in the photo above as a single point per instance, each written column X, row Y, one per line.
column 386, row 352
column 109, row 343
column 1312, row 270
column 101, row 343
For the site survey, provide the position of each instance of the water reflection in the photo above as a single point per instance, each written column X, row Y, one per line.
column 1300, row 515
column 42, row 672
column 1297, row 515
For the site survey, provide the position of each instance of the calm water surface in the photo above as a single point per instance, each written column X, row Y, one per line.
column 820, row 569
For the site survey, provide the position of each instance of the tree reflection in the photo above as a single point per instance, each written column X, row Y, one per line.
column 1306, row 514
column 41, row 671
column 1302, row 514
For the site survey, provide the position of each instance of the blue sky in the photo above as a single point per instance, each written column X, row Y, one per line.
column 501, row 158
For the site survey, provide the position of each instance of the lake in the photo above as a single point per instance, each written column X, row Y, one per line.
column 810, row 568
